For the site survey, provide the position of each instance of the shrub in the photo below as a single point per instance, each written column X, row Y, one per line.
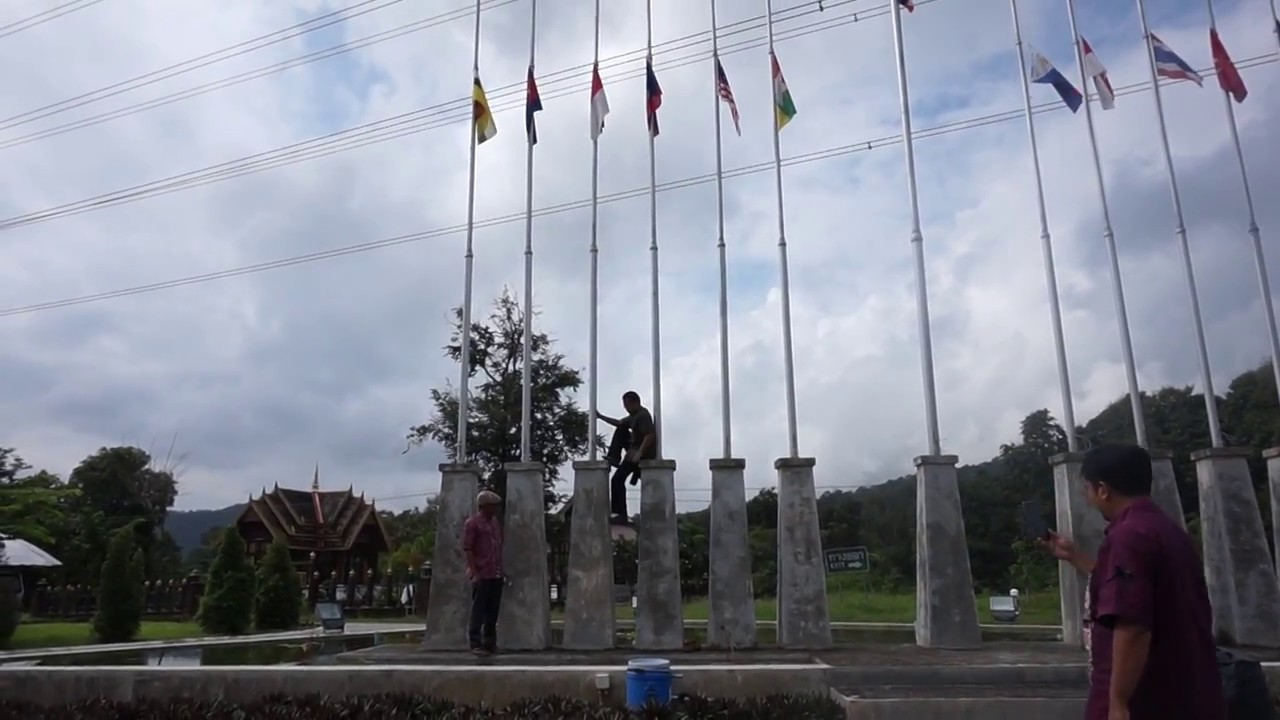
column 278, row 602
column 10, row 608
column 227, row 605
column 120, row 590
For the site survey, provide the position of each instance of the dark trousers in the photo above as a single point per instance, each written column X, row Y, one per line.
column 486, row 599
column 618, row 485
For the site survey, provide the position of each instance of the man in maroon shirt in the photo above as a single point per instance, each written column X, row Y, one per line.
column 482, row 543
column 1151, row 645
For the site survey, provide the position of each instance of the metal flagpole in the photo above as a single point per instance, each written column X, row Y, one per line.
column 1275, row 17
column 1206, row 378
column 788, row 357
column 463, row 400
column 526, row 379
column 653, row 255
column 1046, row 243
column 1117, row 284
column 1254, row 232
column 725, row 421
column 917, row 242
column 594, row 340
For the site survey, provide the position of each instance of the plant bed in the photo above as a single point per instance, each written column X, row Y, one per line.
column 410, row 707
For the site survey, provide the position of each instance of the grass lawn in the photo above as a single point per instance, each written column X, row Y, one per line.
column 66, row 634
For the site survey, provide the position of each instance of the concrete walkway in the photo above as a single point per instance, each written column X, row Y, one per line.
column 353, row 629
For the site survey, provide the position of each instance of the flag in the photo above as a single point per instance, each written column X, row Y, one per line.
column 1169, row 65
column 783, row 107
column 481, row 117
column 1043, row 72
column 599, row 103
column 1228, row 76
column 1094, row 68
column 532, row 104
column 909, row 5
column 653, row 94
column 726, row 94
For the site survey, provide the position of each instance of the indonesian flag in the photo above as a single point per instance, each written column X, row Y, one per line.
column 599, row 103
column 1228, row 76
column 1094, row 68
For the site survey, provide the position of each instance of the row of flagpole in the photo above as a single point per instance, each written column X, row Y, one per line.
column 1163, row 62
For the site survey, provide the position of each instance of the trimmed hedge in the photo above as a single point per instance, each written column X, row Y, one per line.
column 410, row 707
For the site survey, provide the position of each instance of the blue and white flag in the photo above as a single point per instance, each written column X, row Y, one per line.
column 1043, row 72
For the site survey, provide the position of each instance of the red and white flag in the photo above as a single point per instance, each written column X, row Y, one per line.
column 1094, row 68
column 599, row 103
column 1228, row 76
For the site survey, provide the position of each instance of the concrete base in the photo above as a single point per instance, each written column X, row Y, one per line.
column 803, row 619
column 732, row 621
column 524, row 622
column 1272, row 456
column 589, row 610
column 1085, row 526
column 449, row 604
column 1164, row 486
column 946, row 612
column 659, row 607
column 1237, row 562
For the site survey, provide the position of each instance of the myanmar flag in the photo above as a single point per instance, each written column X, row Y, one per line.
column 481, row 116
column 783, row 108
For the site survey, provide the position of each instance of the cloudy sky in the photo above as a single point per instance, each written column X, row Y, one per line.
column 260, row 376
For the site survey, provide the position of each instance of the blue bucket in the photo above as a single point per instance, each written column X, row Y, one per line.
column 648, row 681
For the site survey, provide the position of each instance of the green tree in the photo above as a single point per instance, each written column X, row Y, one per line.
column 120, row 590
column 278, row 602
column 227, row 606
column 559, row 431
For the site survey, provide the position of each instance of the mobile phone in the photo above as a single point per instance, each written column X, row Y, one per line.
column 1032, row 521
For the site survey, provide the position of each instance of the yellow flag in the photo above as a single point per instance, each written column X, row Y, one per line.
column 481, row 117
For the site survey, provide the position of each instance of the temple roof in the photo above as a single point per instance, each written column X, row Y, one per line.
column 315, row 519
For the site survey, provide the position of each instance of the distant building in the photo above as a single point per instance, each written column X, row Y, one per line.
column 331, row 534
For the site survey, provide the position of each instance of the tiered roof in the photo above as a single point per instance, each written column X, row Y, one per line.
column 316, row 520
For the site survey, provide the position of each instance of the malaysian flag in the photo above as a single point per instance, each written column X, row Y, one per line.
column 726, row 94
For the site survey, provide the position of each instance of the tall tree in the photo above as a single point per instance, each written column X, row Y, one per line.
column 278, row 601
column 32, row 507
column 120, row 590
column 227, row 605
column 116, row 487
column 559, row 429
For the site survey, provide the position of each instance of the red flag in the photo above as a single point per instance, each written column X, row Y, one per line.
column 1228, row 76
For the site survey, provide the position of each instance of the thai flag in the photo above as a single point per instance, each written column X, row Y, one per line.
column 1170, row 65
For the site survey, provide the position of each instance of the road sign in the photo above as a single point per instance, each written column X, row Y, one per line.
column 846, row 559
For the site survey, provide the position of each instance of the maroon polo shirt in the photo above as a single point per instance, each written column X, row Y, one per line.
column 1148, row 574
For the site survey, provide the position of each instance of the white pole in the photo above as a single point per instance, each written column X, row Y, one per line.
column 1275, row 21
column 788, row 357
column 726, row 425
column 468, row 272
column 594, row 338
column 917, row 242
column 526, row 379
column 1046, row 244
column 653, row 256
column 1254, row 233
column 1206, row 377
column 1117, row 284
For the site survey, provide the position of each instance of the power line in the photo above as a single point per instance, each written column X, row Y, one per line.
column 40, row 18
column 683, row 183
column 241, row 48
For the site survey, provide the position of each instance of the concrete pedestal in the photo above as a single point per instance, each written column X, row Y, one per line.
column 1237, row 561
column 589, row 616
column 946, row 612
column 803, row 618
column 1075, row 519
column 659, row 608
column 1164, row 486
column 732, row 623
column 1272, row 456
column 524, row 622
column 449, row 602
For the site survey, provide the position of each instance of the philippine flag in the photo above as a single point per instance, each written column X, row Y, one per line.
column 1170, row 65
column 1043, row 72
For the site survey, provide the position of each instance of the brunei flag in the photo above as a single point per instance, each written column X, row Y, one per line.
column 481, row 116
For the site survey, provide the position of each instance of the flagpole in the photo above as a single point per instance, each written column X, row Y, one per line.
column 1108, row 234
column 725, row 421
column 1206, row 378
column 917, row 242
column 468, row 272
column 1254, row 232
column 526, row 379
column 1275, row 18
column 653, row 256
column 1046, row 243
column 788, row 356
column 594, row 340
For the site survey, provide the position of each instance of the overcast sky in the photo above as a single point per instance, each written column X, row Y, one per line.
column 261, row 376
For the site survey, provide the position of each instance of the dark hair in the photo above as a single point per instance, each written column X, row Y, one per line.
column 631, row 396
column 1126, row 469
